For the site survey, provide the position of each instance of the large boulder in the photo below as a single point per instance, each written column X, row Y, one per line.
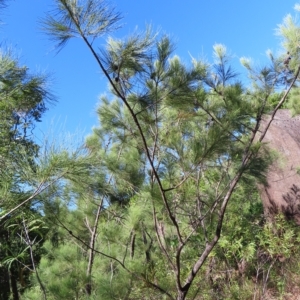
column 282, row 192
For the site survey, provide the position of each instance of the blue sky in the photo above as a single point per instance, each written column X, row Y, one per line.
column 246, row 28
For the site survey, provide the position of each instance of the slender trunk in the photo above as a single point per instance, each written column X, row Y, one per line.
column 30, row 244
column 88, row 287
column 181, row 295
column 14, row 286
column 36, row 272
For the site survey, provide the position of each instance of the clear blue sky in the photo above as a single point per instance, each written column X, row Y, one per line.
column 246, row 28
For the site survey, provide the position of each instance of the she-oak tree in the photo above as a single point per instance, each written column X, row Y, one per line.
column 173, row 145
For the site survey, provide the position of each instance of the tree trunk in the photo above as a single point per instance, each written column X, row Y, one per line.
column 181, row 295
column 14, row 286
column 88, row 287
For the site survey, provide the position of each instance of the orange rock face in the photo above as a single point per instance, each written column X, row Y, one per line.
column 282, row 194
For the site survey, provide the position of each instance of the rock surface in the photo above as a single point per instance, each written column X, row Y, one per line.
column 282, row 194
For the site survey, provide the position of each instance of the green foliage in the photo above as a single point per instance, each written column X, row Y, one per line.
column 23, row 101
column 174, row 148
column 138, row 212
column 93, row 18
column 293, row 102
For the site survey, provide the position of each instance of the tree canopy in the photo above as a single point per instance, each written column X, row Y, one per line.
column 161, row 201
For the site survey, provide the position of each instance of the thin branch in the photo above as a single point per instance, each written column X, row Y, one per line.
column 248, row 155
column 38, row 190
column 221, row 125
column 30, row 244
column 279, row 104
column 94, row 233
column 161, row 244
column 199, row 207
column 155, row 286
column 136, row 121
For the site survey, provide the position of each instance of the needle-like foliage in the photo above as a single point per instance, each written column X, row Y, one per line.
column 176, row 146
column 73, row 18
